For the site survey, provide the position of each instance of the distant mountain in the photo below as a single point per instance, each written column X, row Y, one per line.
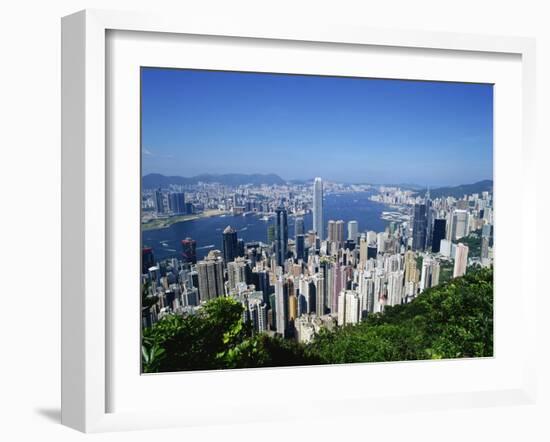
column 154, row 180
column 301, row 182
column 410, row 186
column 461, row 190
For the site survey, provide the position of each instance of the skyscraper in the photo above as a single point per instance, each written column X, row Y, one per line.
column 281, row 235
column 353, row 230
column 331, row 229
column 281, row 306
column 395, row 287
column 300, row 246
column 240, row 247
column 210, row 276
column 230, row 245
column 299, row 226
column 363, row 252
column 438, row 234
column 320, row 292
column 430, row 215
column 348, row 307
column 460, row 224
column 159, row 201
column 419, row 227
column 270, row 234
column 430, row 273
column 318, row 207
column 461, row 260
column 189, row 253
column 340, row 232
column 336, row 232
column 147, row 259
column 177, row 202
column 410, row 267
column 237, row 272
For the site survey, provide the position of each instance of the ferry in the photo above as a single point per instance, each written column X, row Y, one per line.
column 210, row 246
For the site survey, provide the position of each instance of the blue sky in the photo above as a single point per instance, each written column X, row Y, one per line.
column 299, row 127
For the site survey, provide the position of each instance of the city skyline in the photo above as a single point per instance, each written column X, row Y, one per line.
column 360, row 130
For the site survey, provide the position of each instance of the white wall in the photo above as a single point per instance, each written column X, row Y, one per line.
column 29, row 214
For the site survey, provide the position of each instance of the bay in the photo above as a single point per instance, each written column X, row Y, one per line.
column 166, row 242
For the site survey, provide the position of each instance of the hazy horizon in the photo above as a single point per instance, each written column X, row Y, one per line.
column 313, row 177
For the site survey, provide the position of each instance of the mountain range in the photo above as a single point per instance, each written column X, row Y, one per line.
column 461, row 190
column 155, row 180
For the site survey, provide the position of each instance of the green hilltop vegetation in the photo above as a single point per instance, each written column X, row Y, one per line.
column 452, row 320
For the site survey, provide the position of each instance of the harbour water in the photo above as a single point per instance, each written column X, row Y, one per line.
column 166, row 242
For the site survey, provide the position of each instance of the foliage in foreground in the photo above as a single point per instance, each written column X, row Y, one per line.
column 452, row 320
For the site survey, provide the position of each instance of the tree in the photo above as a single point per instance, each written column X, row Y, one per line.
column 451, row 320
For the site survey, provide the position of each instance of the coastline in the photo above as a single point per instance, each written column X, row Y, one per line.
column 164, row 223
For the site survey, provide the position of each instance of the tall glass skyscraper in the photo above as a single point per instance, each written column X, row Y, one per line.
column 159, row 201
column 299, row 226
column 177, row 202
column 419, row 227
column 439, row 232
column 230, row 244
column 300, row 246
column 281, row 235
column 318, row 207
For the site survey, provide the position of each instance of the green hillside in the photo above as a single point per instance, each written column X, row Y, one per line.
column 452, row 320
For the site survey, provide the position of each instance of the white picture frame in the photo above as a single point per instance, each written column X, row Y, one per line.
column 86, row 356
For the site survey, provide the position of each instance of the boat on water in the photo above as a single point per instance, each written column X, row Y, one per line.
column 209, row 246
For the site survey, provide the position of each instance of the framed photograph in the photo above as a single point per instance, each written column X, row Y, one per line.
column 255, row 212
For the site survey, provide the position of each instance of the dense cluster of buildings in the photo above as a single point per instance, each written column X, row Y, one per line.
column 331, row 275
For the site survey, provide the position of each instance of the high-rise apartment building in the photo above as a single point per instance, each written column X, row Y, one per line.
column 336, row 232
column 281, row 306
column 237, row 272
column 210, row 278
column 363, row 252
column 348, row 307
column 430, row 273
column 395, row 287
column 461, row 260
column 411, row 274
column 353, row 230
column 460, row 224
